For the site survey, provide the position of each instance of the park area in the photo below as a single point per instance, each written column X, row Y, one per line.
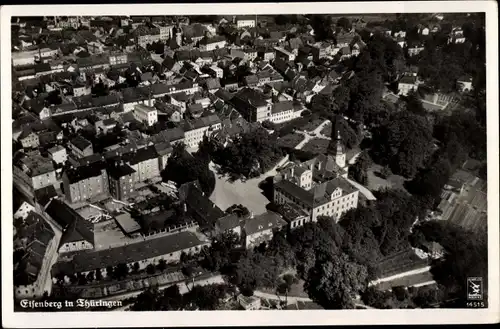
column 317, row 146
column 313, row 124
column 290, row 140
column 327, row 130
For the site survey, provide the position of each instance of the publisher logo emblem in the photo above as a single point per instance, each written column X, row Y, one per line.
column 475, row 288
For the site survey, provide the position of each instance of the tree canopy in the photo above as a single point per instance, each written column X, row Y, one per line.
column 182, row 168
column 403, row 142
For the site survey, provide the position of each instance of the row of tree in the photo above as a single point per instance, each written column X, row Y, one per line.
column 207, row 297
column 248, row 155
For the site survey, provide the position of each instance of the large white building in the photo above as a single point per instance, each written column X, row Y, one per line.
column 209, row 44
column 146, row 114
column 319, row 186
column 284, row 111
column 195, row 131
column 245, row 22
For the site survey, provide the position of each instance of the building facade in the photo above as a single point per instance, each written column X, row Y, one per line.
column 85, row 182
column 146, row 114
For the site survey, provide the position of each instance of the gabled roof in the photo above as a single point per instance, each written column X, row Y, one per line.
column 228, row 222
column 134, row 252
column 282, row 107
column 80, row 143
column 265, row 221
column 213, row 83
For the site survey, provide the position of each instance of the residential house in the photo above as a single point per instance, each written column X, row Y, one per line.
column 400, row 34
column 80, row 147
column 345, row 39
column 209, row 44
column 229, row 223
column 250, row 54
column 106, row 125
column 172, row 112
column 146, row 114
column 284, row 54
column 121, row 180
column 195, row 109
column 118, row 58
column 267, row 54
column 358, row 24
column 164, row 150
column 252, row 105
column 249, row 303
column 58, row 154
column 345, row 53
column 85, row 182
column 423, row 30
column 195, row 130
column 251, row 80
column 204, row 101
column 464, row 83
column 77, row 233
column 213, row 84
column 145, row 163
column 216, row 72
column 29, row 138
column 260, row 229
column 407, row 84
column 37, row 238
column 81, row 89
column 230, row 84
column 456, row 36
column 34, row 171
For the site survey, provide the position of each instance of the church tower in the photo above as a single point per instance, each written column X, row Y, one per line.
column 340, row 153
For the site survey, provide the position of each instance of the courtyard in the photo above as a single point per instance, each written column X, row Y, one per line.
column 247, row 193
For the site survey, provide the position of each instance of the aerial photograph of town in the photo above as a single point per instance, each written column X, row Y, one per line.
column 249, row 162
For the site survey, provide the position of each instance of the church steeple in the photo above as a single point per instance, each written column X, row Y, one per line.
column 340, row 153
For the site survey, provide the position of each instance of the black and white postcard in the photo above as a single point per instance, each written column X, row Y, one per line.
column 333, row 163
